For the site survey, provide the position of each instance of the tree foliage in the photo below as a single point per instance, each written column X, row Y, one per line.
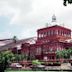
column 67, row 1
column 15, row 39
column 64, row 53
column 5, row 58
column 36, row 62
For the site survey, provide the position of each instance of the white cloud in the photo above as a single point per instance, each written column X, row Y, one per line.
column 27, row 33
column 15, row 9
column 31, row 11
column 33, row 14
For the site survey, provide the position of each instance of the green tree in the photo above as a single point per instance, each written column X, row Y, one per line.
column 5, row 58
column 20, row 57
column 64, row 53
column 9, row 55
column 67, row 1
column 58, row 54
column 70, row 51
column 15, row 39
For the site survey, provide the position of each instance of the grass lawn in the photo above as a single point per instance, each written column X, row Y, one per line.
column 18, row 71
column 37, row 71
column 15, row 71
column 31, row 71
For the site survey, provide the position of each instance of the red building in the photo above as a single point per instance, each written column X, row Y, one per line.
column 49, row 40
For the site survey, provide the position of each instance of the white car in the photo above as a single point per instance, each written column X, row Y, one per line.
column 17, row 65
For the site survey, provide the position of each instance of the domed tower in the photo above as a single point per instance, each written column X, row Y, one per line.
column 54, row 21
column 55, row 32
column 51, row 39
column 54, row 18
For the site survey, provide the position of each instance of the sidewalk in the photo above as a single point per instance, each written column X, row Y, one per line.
column 64, row 66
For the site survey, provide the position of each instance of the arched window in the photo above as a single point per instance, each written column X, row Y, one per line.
column 45, row 34
column 51, row 32
column 39, row 35
column 62, row 33
column 48, row 33
column 56, row 32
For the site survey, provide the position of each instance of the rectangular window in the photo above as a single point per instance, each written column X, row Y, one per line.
column 38, row 51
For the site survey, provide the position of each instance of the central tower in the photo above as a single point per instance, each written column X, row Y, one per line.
column 54, row 18
column 55, row 32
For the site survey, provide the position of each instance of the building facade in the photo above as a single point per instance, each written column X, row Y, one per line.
column 49, row 40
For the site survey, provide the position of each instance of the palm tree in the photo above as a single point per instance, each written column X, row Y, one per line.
column 64, row 53
column 59, row 54
column 15, row 39
column 70, row 52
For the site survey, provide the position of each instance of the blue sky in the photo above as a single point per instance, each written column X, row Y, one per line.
column 11, row 30
column 23, row 17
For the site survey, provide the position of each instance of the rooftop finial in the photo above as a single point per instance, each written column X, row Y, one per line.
column 54, row 18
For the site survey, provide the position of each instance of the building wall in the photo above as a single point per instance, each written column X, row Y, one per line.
column 53, row 33
column 49, row 40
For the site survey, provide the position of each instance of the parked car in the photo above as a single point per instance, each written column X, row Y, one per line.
column 16, row 65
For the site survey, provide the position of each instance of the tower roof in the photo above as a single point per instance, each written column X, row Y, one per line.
column 53, row 18
column 54, row 21
column 54, row 26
